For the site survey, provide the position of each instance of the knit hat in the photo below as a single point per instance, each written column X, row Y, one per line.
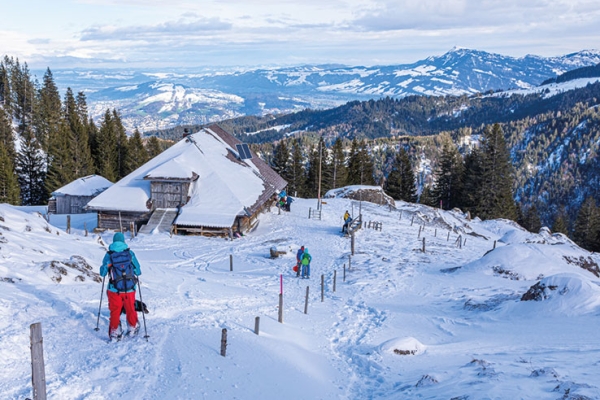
column 118, row 237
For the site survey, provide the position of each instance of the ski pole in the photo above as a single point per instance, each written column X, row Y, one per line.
column 143, row 313
column 100, row 306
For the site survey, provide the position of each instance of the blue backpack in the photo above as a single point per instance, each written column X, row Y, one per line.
column 121, row 271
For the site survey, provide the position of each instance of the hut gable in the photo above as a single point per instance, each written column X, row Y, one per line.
column 203, row 177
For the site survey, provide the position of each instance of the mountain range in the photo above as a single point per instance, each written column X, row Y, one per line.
column 152, row 99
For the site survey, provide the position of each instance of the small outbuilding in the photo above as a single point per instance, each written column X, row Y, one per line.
column 72, row 198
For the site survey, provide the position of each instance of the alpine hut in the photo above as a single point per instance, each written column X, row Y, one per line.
column 208, row 183
column 73, row 197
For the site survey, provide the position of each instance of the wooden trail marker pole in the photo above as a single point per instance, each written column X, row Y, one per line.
column 306, row 301
column 280, row 317
column 224, row 342
column 322, row 288
column 256, row 324
column 38, row 373
column 334, row 279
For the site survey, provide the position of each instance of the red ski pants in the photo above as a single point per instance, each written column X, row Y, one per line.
column 116, row 302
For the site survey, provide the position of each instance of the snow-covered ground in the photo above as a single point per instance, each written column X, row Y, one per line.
column 447, row 323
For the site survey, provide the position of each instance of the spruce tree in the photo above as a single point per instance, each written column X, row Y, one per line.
column 426, row 197
column 312, row 173
column 360, row 165
column 560, row 224
column 31, row 170
column 280, row 159
column 61, row 170
column 106, row 154
column 297, row 175
column 448, row 174
column 496, row 195
column 121, row 145
column 339, row 171
column 49, row 112
column 9, row 185
column 587, row 225
column 472, row 181
column 82, row 162
column 153, row 147
column 137, row 154
column 408, row 188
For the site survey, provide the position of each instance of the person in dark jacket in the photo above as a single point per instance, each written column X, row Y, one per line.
column 299, row 260
column 123, row 268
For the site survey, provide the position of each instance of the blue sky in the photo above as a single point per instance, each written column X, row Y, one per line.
column 192, row 33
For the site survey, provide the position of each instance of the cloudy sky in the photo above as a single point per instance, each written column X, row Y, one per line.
column 190, row 33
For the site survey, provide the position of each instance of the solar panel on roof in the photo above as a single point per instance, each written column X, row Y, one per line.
column 243, row 151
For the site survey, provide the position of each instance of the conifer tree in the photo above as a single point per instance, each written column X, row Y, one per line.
column 49, row 111
column 560, row 224
column 137, row 154
column 312, row 173
column 472, row 181
column 82, row 162
column 7, row 136
column 23, row 96
column 587, row 225
column 496, row 195
column 31, row 170
column 447, row 189
column 360, row 165
column 531, row 219
column 4, row 85
column 107, row 148
column 280, row 159
column 339, row 171
column 297, row 175
column 9, row 185
column 426, row 197
column 61, row 170
column 153, row 147
column 121, row 145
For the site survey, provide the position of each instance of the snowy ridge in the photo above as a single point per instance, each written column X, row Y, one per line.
column 445, row 323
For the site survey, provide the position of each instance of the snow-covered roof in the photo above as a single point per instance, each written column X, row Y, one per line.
column 90, row 185
column 226, row 186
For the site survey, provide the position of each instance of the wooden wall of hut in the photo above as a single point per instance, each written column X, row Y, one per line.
column 121, row 221
column 71, row 204
column 169, row 194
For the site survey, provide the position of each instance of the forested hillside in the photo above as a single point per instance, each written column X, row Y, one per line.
column 46, row 142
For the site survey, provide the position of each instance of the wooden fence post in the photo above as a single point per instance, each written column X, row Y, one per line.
column 435, row 233
column 412, row 220
column 38, row 373
column 423, row 245
column 231, row 262
column 68, row 224
column 309, row 211
column 352, row 242
column 85, row 228
column 120, row 223
column 494, row 245
column 131, row 229
column 419, row 235
column 256, row 324
column 306, row 302
column 280, row 316
column 334, row 279
column 224, row 342
column 349, row 262
column 448, row 238
column 344, row 280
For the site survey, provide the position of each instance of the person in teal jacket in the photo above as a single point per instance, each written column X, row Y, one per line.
column 306, row 259
column 122, row 267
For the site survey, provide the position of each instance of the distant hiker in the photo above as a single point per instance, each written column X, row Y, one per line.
column 288, row 203
column 346, row 215
column 347, row 221
column 299, row 260
column 306, row 259
column 122, row 268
